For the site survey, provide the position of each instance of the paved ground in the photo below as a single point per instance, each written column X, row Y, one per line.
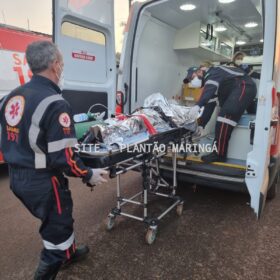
column 217, row 237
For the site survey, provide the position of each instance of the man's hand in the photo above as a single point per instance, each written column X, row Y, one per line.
column 194, row 112
column 97, row 177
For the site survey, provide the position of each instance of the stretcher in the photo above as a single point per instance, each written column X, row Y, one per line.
column 144, row 155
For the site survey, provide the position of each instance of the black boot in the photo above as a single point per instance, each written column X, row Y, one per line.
column 213, row 157
column 80, row 254
column 46, row 271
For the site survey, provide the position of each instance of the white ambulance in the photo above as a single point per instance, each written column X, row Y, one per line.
column 163, row 38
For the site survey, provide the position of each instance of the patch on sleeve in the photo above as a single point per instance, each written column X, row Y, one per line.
column 14, row 110
column 65, row 120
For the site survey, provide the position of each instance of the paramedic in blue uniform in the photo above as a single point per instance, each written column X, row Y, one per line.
column 38, row 142
column 233, row 90
column 237, row 61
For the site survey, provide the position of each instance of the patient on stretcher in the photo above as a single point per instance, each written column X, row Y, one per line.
column 156, row 116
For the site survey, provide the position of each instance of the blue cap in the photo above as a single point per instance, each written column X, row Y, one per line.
column 190, row 73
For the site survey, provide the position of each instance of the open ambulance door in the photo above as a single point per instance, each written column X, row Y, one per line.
column 84, row 32
column 258, row 160
column 127, row 94
column 125, row 68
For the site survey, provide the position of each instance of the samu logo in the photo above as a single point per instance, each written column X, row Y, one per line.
column 14, row 110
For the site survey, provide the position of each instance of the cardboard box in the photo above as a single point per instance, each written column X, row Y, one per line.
column 191, row 94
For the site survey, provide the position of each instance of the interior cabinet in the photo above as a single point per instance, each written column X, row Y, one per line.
column 192, row 39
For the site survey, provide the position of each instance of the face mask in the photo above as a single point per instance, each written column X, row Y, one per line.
column 238, row 62
column 196, row 82
column 60, row 79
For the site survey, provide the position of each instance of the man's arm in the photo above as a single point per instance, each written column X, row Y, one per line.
column 61, row 142
column 207, row 114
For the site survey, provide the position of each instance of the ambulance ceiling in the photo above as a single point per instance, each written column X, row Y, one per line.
column 234, row 15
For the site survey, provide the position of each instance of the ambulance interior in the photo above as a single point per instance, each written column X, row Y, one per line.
column 170, row 39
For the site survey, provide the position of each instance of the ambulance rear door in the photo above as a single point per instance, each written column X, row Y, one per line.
column 84, row 32
column 258, row 160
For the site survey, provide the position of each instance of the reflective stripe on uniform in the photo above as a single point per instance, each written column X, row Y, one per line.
column 59, row 145
column 232, row 72
column 224, row 120
column 211, row 82
column 213, row 100
column 62, row 246
column 40, row 157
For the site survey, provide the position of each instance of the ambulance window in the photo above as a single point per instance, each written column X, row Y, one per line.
column 83, row 33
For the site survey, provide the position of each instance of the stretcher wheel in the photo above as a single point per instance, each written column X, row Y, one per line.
column 179, row 209
column 151, row 235
column 110, row 222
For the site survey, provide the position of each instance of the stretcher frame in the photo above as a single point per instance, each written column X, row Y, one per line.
column 152, row 183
